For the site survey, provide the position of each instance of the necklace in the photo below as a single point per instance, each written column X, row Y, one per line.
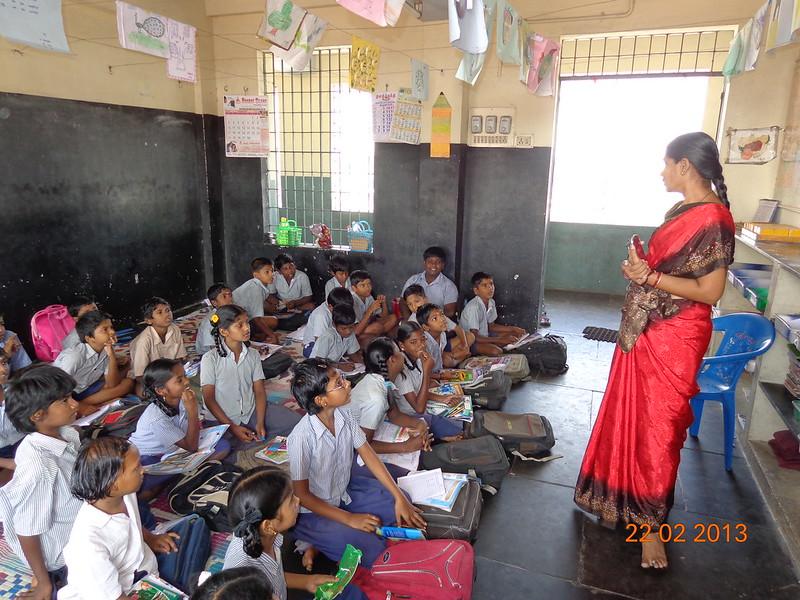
column 701, row 199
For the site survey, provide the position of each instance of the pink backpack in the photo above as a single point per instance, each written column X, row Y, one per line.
column 429, row 570
column 49, row 327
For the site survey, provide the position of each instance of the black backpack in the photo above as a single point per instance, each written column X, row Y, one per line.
column 204, row 491
column 120, row 422
column 547, row 355
column 276, row 364
column 483, row 457
column 529, row 434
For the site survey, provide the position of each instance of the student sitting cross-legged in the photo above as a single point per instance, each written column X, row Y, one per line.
column 439, row 289
column 219, row 295
column 108, row 549
column 232, row 381
column 458, row 339
column 97, row 371
column 335, row 509
column 37, row 508
column 372, row 315
column 480, row 315
column 339, row 340
column 169, row 423
column 292, row 286
column 160, row 339
column 253, row 296
column 416, row 379
column 77, row 307
column 374, row 399
column 340, row 274
column 262, row 507
column 10, row 436
column 432, row 320
column 321, row 318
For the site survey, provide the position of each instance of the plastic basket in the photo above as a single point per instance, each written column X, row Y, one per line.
column 360, row 236
column 289, row 234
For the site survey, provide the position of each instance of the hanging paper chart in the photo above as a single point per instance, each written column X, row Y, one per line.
column 246, row 126
column 383, row 104
column 364, row 57
column 440, row 128
column 141, row 30
column 36, row 23
column 282, row 19
column 406, row 120
column 308, row 36
column 182, row 61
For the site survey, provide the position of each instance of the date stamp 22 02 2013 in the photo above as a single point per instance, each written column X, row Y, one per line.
column 678, row 533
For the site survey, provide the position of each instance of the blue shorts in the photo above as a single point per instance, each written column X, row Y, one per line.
column 307, row 349
column 10, row 451
column 92, row 389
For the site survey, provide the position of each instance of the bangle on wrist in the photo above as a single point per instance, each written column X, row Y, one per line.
column 658, row 279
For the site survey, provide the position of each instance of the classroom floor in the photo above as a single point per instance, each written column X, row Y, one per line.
column 534, row 543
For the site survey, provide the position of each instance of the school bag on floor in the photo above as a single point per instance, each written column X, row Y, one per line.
column 182, row 568
column 462, row 522
column 49, row 327
column 483, row 457
column 120, row 422
column 529, row 434
column 423, row 570
column 276, row 364
column 547, row 355
column 515, row 366
column 490, row 391
column 204, row 491
column 291, row 321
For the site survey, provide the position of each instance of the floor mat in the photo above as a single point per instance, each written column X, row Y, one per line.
column 15, row 577
column 601, row 334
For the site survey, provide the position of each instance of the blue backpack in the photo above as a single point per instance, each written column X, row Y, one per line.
column 183, row 567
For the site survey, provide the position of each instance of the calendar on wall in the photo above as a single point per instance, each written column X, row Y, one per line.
column 246, row 126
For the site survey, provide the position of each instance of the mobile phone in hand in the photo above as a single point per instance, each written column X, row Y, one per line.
column 636, row 244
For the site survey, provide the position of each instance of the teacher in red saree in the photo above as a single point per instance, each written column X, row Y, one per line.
column 631, row 462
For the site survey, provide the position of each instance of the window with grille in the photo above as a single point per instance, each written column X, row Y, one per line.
column 320, row 167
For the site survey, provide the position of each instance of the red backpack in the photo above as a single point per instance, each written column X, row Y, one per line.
column 429, row 570
column 49, row 327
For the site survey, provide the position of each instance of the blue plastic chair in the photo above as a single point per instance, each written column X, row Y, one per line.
column 746, row 336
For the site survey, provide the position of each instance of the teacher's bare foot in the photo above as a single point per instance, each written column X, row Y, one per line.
column 654, row 554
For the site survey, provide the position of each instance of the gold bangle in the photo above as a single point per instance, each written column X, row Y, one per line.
column 658, row 280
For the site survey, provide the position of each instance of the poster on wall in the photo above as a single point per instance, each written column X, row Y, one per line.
column 364, row 57
column 246, row 126
column 380, row 12
column 508, row 25
column 753, row 146
column 142, row 31
column 406, row 120
column 471, row 65
column 36, row 23
column 467, row 25
column 305, row 40
column 280, row 23
column 182, row 61
column 441, row 116
column 383, row 104
column 539, row 61
column 756, row 36
column 419, row 79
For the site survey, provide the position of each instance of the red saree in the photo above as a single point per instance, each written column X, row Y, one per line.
column 631, row 462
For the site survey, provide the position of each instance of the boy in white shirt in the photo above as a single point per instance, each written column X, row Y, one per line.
column 480, row 315
column 321, row 318
column 79, row 306
column 293, row 287
column 256, row 296
column 439, row 289
column 340, row 270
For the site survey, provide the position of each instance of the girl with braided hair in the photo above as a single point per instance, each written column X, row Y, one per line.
column 631, row 463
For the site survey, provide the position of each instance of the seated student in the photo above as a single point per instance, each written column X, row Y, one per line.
column 335, row 509
column 160, row 339
column 170, row 422
column 232, row 381
column 218, row 294
column 479, row 316
column 78, row 307
column 370, row 404
column 108, row 549
column 243, row 583
column 292, row 286
column 37, row 508
column 261, row 508
column 339, row 340
column 416, row 379
column 99, row 376
column 439, row 289
column 459, row 339
column 321, row 318
column 12, row 348
column 340, row 271
column 10, row 436
column 252, row 296
column 373, row 317
column 432, row 320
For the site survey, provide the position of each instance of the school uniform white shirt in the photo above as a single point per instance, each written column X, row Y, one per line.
column 84, row 364
column 369, row 401
column 361, row 306
column 451, row 325
column 204, row 340
column 156, row 433
column 477, row 315
column 408, row 382
column 38, row 501
column 233, row 381
column 148, row 346
column 333, row 346
column 70, row 340
column 104, row 552
column 319, row 321
column 333, row 283
column 440, row 291
column 323, row 459
column 298, row 287
column 251, row 295
column 9, row 435
column 235, row 556
column 435, row 348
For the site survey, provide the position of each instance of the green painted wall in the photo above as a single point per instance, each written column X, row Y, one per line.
column 583, row 257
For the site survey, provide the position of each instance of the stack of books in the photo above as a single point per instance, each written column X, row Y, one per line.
column 460, row 410
column 276, row 452
column 770, row 232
